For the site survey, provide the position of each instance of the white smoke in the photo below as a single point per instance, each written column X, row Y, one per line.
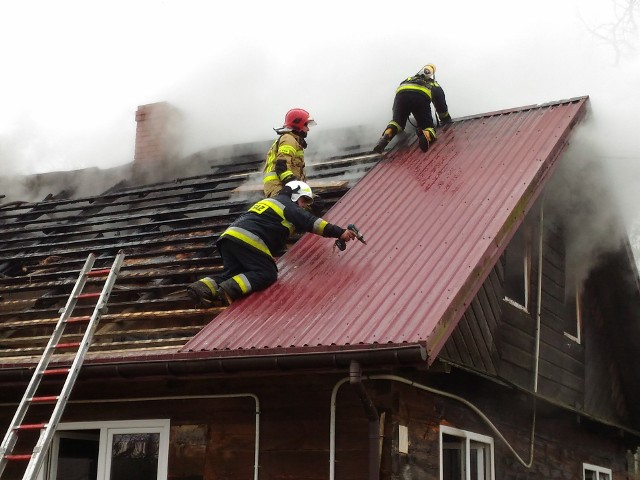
column 76, row 72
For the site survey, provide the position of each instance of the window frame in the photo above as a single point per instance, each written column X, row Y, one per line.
column 575, row 315
column 107, row 429
column 525, row 230
column 468, row 437
column 596, row 469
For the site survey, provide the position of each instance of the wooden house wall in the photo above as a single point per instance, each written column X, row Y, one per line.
column 213, row 438
column 498, row 338
column 561, row 446
column 605, row 395
column 473, row 342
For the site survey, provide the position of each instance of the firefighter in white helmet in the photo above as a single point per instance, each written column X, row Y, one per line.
column 414, row 96
column 249, row 245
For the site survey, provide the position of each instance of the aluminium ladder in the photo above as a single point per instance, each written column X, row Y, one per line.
column 47, row 429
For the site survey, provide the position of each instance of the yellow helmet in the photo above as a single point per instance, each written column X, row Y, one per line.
column 429, row 70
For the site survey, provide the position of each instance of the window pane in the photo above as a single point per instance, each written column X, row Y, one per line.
column 452, row 464
column 589, row 475
column 473, row 454
column 460, row 451
column 572, row 310
column 452, row 458
column 515, row 258
column 479, row 461
column 134, row 456
column 77, row 459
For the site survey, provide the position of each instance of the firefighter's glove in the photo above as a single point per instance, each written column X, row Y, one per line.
column 287, row 190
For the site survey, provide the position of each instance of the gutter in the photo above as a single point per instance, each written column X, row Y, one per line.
column 178, row 365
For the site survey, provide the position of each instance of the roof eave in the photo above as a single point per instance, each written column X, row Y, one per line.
column 217, row 362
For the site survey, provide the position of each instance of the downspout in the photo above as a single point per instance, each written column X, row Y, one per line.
column 355, row 379
column 332, row 428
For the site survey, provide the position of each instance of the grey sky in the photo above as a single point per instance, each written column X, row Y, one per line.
column 74, row 71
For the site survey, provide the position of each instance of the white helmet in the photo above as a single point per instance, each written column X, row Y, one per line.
column 300, row 189
column 429, row 70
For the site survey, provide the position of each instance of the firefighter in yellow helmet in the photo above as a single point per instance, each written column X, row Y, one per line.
column 414, row 96
column 285, row 159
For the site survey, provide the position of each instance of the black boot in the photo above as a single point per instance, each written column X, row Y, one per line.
column 423, row 142
column 425, row 138
column 204, row 292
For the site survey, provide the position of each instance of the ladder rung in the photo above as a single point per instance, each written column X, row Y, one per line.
column 31, row 426
column 56, row 371
column 18, row 457
column 84, row 318
column 48, row 399
column 71, row 372
column 97, row 273
column 89, row 295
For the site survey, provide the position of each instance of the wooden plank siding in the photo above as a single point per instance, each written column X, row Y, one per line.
column 214, row 438
column 561, row 368
column 507, row 333
column 497, row 338
column 561, row 443
column 608, row 326
column 472, row 343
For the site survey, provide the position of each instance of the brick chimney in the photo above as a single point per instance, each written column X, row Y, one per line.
column 158, row 136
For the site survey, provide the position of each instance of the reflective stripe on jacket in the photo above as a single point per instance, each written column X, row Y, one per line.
column 286, row 148
column 269, row 223
column 430, row 88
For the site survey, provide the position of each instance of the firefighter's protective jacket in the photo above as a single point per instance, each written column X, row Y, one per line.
column 285, row 159
column 430, row 88
column 269, row 223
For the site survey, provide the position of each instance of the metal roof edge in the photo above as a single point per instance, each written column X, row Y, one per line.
column 524, row 108
column 449, row 321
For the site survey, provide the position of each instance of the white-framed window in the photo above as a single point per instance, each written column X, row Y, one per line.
column 573, row 312
column 114, row 450
column 517, row 268
column 465, row 455
column 593, row 472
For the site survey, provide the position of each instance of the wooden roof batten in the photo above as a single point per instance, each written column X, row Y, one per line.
column 168, row 231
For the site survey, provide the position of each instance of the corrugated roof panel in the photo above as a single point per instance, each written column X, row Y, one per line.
column 435, row 224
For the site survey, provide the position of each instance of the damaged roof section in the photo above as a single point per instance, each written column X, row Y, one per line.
column 167, row 231
column 435, row 225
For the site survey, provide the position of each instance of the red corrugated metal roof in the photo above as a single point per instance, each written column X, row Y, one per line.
column 435, row 224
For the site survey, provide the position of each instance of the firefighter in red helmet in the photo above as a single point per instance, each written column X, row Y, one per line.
column 414, row 96
column 285, row 159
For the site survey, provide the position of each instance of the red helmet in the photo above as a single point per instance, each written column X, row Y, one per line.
column 298, row 119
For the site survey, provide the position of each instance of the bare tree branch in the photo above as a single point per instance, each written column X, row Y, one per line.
column 620, row 34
